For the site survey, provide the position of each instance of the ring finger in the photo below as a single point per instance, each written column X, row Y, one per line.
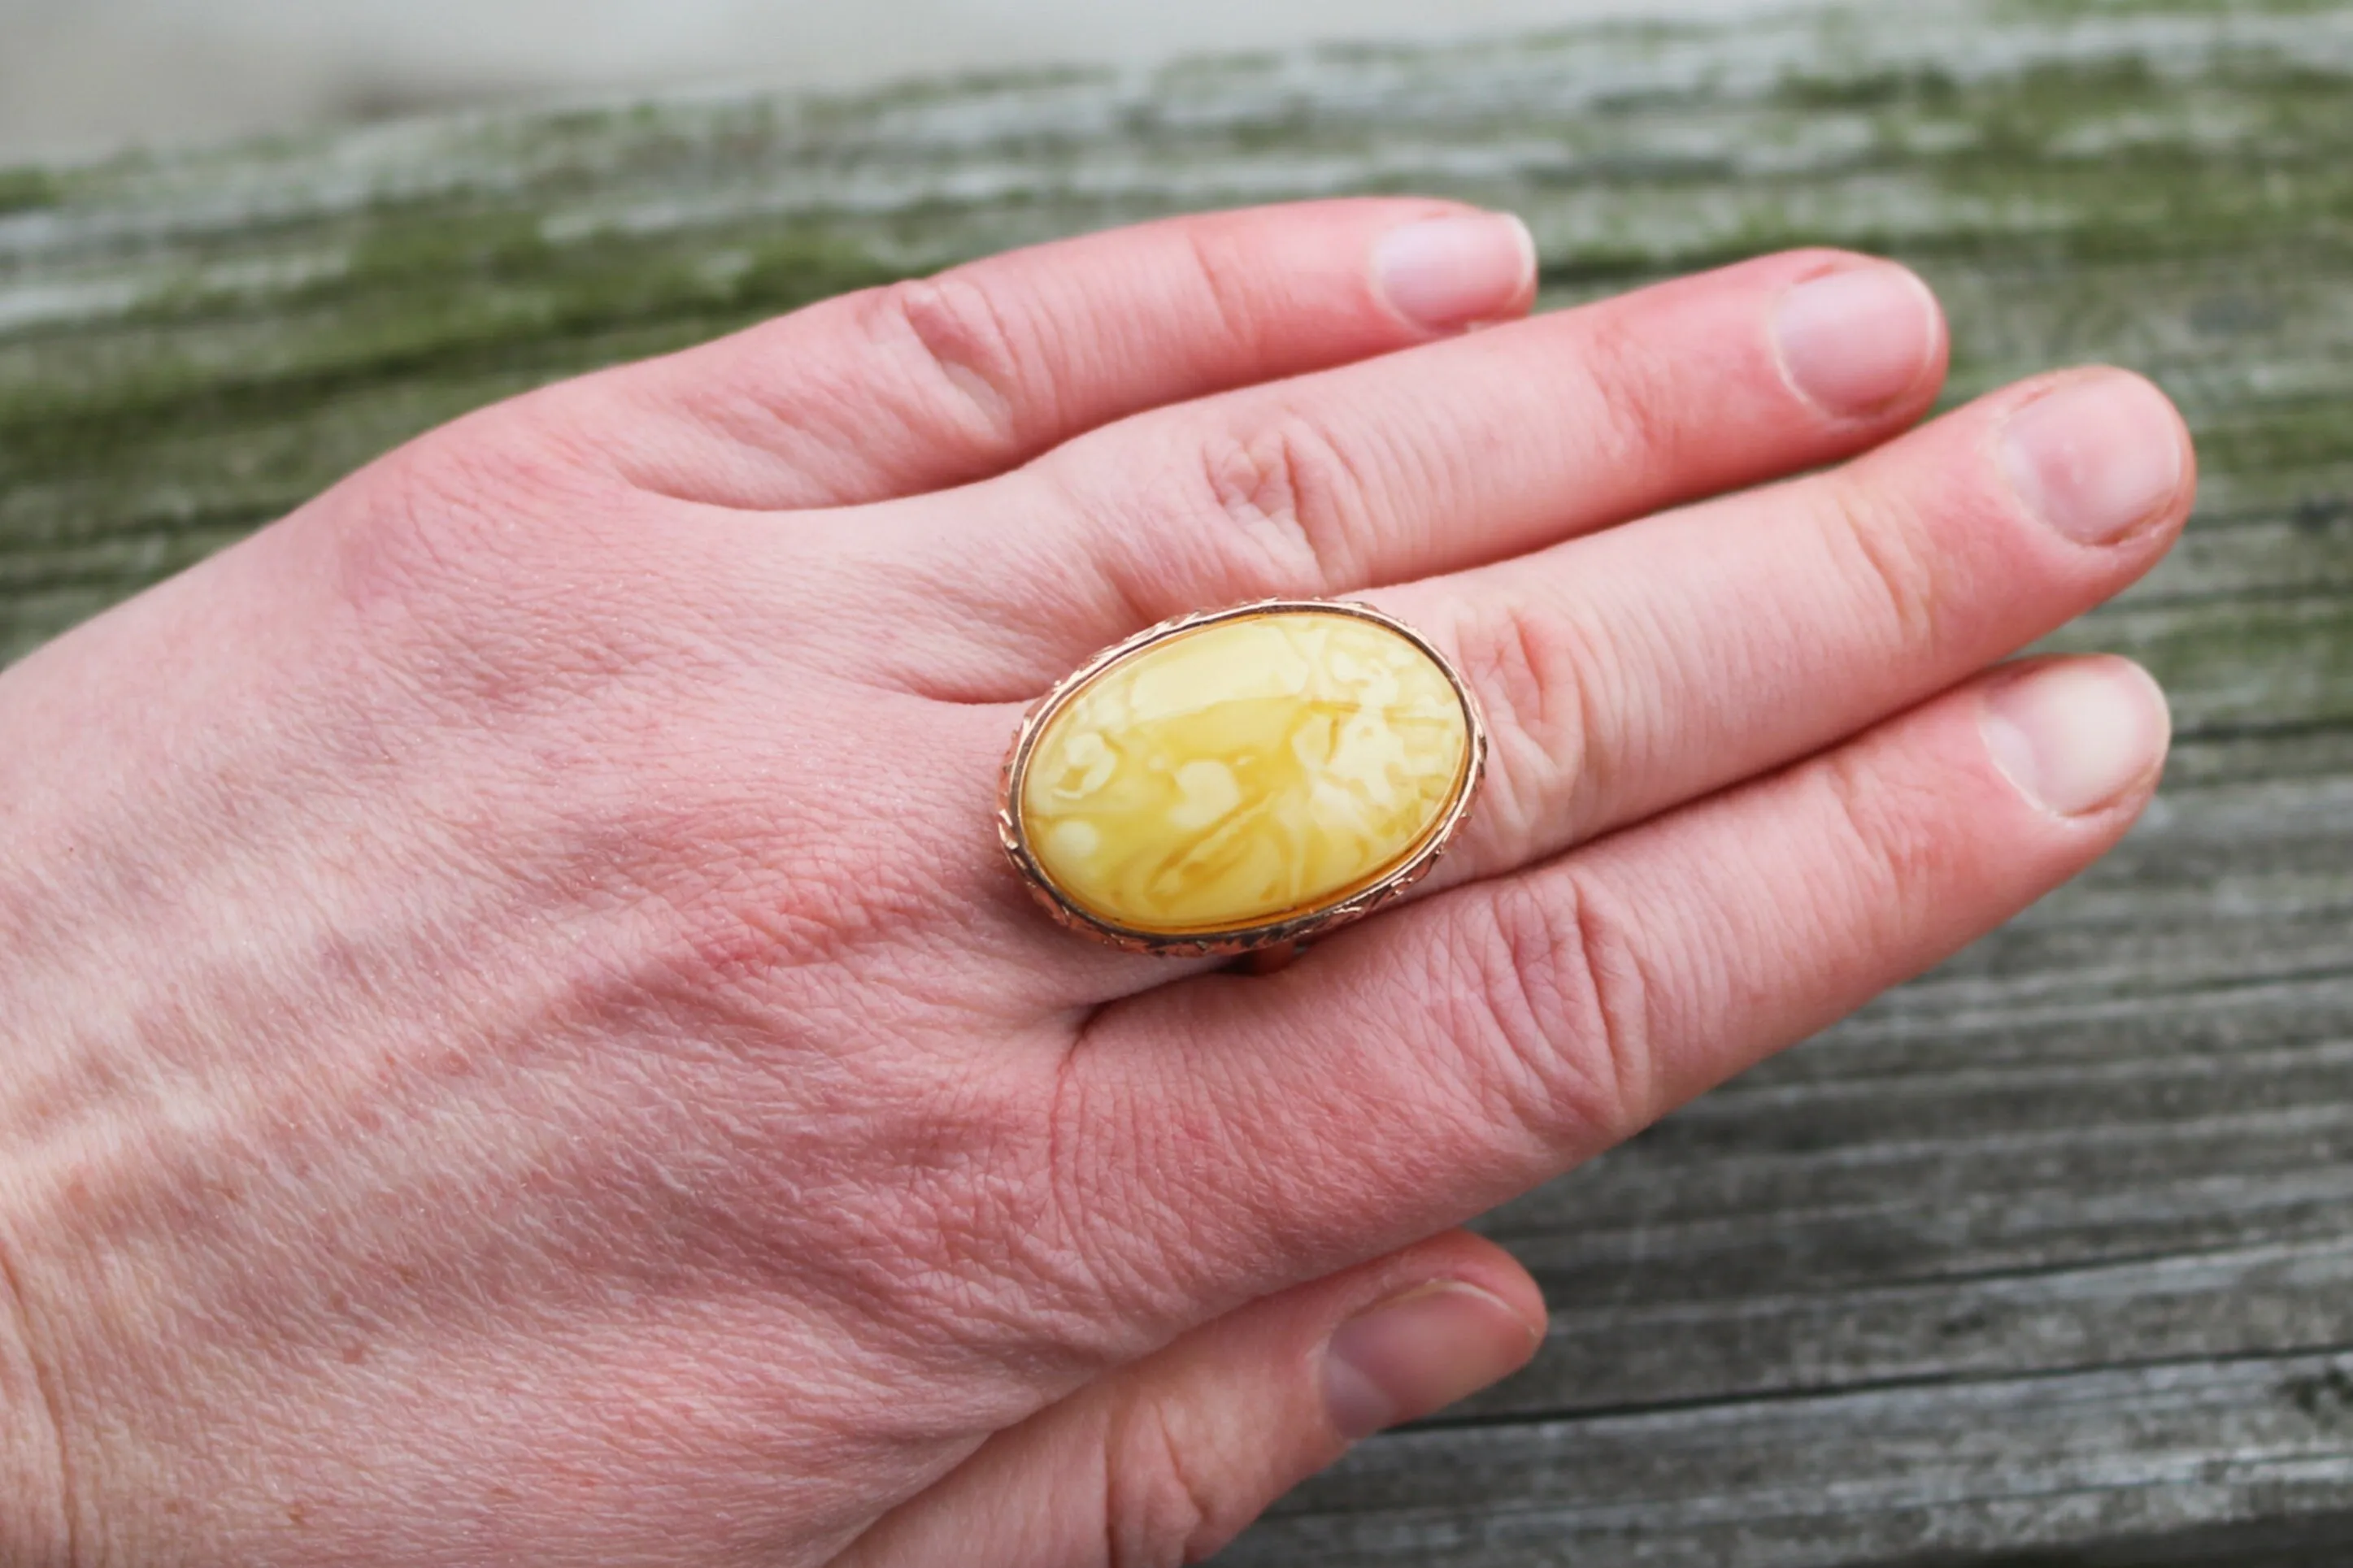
column 1628, row 673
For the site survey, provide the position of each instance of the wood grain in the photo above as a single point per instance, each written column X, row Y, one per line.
column 2047, row 1257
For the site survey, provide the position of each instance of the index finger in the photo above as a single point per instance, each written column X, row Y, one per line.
column 941, row 381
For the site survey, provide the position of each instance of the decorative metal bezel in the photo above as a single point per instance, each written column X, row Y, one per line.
column 1291, row 929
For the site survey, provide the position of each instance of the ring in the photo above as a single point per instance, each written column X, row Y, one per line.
column 1241, row 779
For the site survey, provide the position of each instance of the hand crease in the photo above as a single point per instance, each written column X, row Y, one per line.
column 19, row 1305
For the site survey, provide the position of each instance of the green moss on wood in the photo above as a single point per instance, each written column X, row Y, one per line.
column 22, row 190
column 2187, row 212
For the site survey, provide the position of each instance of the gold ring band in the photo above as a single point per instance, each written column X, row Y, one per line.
column 1242, row 778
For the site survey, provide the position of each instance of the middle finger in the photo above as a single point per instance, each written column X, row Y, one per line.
column 1628, row 673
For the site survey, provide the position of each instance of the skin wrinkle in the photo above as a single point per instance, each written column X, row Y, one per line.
column 1146, row 1289
column 1126, row 598
column 1343, row 478
column 1265, row 485
column 1544, row 1010
column 1161, row 1149
column 1198, row 1162
column 1886, row 832
column 1469, row 1019
column 1227, row 279
column 49, row 1441
column 1282, row 471
column 779, row 451
column 958, row 329
column 1525, row 667
column 1901, row 575
column 1159, row 1512
column 950, row 1206
column 1612, row 960
column 813, row 446
column 1609, row 751
column 1067, row 1113
column 1642, row 426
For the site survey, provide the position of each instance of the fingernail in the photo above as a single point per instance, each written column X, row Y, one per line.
column 2095, row 457
column 1449, row 272
column 2074, row 734
column 1418, row 1353
column 1856, row 341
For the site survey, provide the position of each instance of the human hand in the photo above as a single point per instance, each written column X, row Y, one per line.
column 523, row 1046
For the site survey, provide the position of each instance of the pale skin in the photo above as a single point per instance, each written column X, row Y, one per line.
column 521, row 1046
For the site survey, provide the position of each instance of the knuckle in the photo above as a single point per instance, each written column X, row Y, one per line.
column 1879, row 544
column 1222, row 259
column 503, row 575
column 416, row 525
column 1544, row 682
column 1643, row 413
column 461, row 511
column 1295, row 499
column 1555, row 1005
column 1159, row 1510
column 1889, row 827
column 960, row 349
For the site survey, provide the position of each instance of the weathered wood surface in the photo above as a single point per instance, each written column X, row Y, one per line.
column 2046, row 1258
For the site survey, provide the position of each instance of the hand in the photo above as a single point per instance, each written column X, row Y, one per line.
column 521, row 1046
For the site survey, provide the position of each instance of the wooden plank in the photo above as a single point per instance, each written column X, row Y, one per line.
column 2043, row 1258
column 2036, row 1465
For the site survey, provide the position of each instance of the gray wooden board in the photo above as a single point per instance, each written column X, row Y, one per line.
column 2047, row 1257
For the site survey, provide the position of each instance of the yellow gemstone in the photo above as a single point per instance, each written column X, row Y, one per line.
column 1244, row 772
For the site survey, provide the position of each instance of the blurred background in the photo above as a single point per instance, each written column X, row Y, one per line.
column 80, row 77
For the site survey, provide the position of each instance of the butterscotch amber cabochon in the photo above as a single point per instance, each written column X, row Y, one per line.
column 1242, row 778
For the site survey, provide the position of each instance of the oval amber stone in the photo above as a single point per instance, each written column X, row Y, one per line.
column 1243, row 773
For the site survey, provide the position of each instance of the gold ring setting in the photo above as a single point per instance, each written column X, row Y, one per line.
column 1241, row 779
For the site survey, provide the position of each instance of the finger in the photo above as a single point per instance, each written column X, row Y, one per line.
column 941, row 381
column 1167, row 1460
column 1622, row 675
column 1444, row 457
column 1430, row 1063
